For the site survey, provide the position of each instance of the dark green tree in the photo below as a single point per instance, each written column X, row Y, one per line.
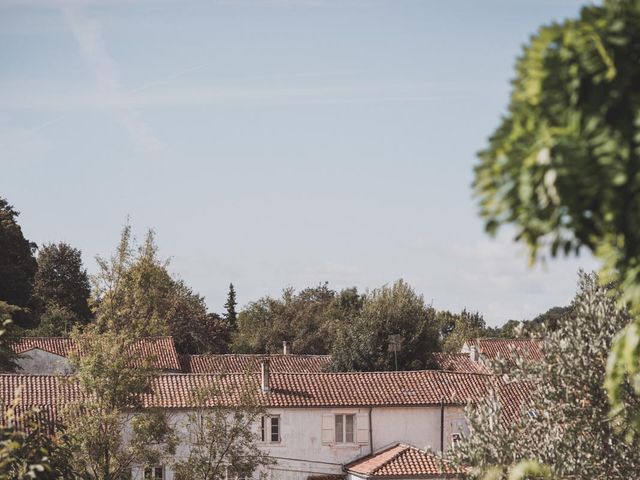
column 456, row 328
column 193, row 329
column 7, row 336
column 61, row 284
column 563, row 166
column 231, row 316
column 302, row 319
column 17, row 262
column 363, row 343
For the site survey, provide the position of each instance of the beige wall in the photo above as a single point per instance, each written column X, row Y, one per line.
column 303, row 451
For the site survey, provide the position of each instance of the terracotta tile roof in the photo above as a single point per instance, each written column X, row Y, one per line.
column 248, row 363
column 162, row 349
column 506, row 348
column 418, row 388
column 458, row 362
column 326, row 477
column 514, row 397
column 401, row 461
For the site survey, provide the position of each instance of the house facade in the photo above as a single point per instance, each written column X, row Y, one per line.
column 317, row 425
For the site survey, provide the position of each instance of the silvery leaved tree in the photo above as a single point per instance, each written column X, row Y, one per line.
column 563, row 429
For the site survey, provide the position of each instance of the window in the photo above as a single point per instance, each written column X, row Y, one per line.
column 344, row 428
column 270, row 429
column 456, row 438
column 154, row 473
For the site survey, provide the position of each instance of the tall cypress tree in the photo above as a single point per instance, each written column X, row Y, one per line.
column 230, row 306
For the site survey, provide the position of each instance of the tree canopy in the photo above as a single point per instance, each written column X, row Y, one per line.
column 389, row 315
column 17, row 262
column 564, row 421
column 61, row 288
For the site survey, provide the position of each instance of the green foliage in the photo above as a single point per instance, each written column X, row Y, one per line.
column 17, row 263
column 231, row 317
column 455, row 329
column 7, row 336
column 223, row 440
column 564, row 164
column 134, row 291
column 61, row 286
column 564, row 422
column 305, row 320
column 29, row 451
column 113, row 378
column 362, row 343
column 192, row 328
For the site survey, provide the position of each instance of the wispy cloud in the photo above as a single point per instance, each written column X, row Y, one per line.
column 88, row 35
column 116, row 98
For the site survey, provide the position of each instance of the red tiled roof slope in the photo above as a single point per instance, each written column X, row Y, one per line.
column 507, row 348
column 419, row 388
column 236, row 363
column 403, row 461
column 458, row 362
column 161, row 349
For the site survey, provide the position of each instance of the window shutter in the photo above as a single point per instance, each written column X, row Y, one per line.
column 362, row 424
column 328, row 434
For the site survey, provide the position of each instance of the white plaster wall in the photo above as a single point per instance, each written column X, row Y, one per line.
column 38, row 361
column 301, row 451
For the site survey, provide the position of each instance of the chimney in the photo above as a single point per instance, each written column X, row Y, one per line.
column 264, row 369
column 473, row 353
column 285, row 348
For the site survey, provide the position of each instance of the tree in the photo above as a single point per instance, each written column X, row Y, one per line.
column 363, row 344
column 17, row 263
column 28, row 449
column 231, row 316
column 563, row 167
column 7, row 337
column 61, row 279
column 223, row 440
column 455, row 329
column 134, row 291
column 564, row 423
column 301, row 319
column 193, row 329
column 109, row 429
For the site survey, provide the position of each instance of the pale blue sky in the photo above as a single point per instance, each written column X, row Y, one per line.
column 273, row 143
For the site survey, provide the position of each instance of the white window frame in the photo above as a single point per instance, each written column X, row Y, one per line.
column 266, row 429
column 456, row 438
column 153, row 470
column 341, row 436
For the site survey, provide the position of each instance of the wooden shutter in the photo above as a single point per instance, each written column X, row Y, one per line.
column 328, row 432
column 362, row 426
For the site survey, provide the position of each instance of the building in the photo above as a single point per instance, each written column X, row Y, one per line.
column 317, row 425
column 50, row 355
column 487, row 350
column 400, row 461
